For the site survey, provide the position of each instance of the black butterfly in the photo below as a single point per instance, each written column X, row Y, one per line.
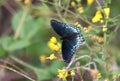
column 71, row 36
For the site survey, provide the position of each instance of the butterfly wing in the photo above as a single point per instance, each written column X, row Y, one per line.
column 69, row 47
column 72, row 38
column 58, row 27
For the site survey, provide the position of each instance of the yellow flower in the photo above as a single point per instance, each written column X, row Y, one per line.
column 76, row 23
column 80, row 9
column 73, row 3
column 58, row 44
column 53, row 40
column 26, row 1
column 54, row 45
column 52, row 57
column 98, row 75
column 62, row 73
column 98, row 16
column 106, row 79
column 72, row 72
column 51, row 45
column 107, row 12
column 100, row 39
column 78, row 1
column 89, row 2
column 115, row 77
column 89, row 27
column 94, row 36
column 56, row 48
column 85, row 29
column 104, row 29
column 95, row 73
column 42, row 58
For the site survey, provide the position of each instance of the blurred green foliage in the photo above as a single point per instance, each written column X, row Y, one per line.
column 30, row 33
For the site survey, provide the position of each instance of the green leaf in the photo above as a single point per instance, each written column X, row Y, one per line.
column 107, row 1
column 18, row 45
column 6, row 42
column 2, row 52
column 9, row 44
column 101, row 62
column 27, row 24
column 45, row 75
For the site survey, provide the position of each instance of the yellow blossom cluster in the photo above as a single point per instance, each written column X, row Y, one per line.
column 99, row 39
column 51, row 57
column 115, row 77
column 106, row 79
column 42, row 58
column 98, row 15
column 54, row 44
column 62, row 73
column 95, row 37
column 89, row 2
column 72, row 72
column 106, row 12
column 26, row 2
column 95, row 73
column 87, row 29
column 76, row 23
column 80, row 9
column 104, row 28
column 74, row 2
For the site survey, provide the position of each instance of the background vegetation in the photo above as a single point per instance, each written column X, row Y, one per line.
column 25, row 32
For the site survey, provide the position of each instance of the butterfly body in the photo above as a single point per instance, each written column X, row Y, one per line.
column 71, row 36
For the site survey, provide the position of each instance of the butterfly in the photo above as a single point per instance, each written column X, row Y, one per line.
column 71, row 36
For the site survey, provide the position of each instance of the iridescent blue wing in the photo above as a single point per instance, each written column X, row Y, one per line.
column 58, row 27
column 62, row 29
column 72, row 38
column 69, row 47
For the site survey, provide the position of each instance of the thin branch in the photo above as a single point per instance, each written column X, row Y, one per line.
column 11, row 69
column 25, row 64
column 81, row 57
column 98, row 2
column 20, row 25
column 17, row 68
column 66, row 9
column 9, row 8
column 90, row 63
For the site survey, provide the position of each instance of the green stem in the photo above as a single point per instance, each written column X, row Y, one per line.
column 72, row 78
column 104, row 49
column 64, row 79
column 21, row 22
column 65, row 13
